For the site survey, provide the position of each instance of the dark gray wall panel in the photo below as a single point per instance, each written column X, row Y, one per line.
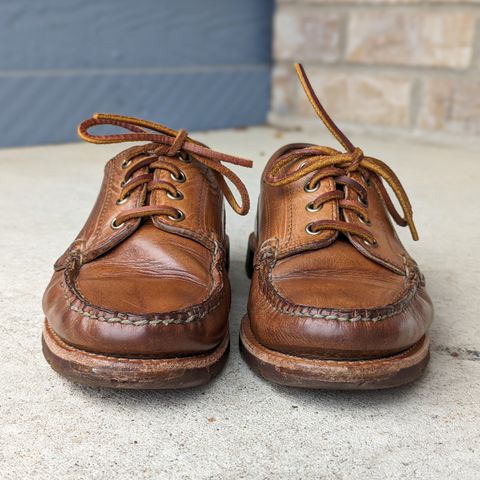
column 39, row 34
column 196, row 64
column 48, row 108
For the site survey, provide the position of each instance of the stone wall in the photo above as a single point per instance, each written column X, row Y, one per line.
column 407, row 66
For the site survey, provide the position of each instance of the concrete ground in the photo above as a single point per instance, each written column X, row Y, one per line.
column 239, row 426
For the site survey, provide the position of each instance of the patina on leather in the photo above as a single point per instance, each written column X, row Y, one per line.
column 146, row 276
column 331, row 278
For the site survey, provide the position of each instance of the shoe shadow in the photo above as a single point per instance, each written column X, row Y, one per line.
column 143, row 399
column 356, row 399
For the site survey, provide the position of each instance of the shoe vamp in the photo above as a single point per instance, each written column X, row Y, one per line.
column 337, row 276
column 152, row 271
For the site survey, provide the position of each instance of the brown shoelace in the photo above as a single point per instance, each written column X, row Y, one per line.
column 327, row 162
column 164, row 151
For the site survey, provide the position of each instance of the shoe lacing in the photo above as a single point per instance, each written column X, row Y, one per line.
column 166, row 149
column 326, row 162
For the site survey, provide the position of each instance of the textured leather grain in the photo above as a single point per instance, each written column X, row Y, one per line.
column 331, row 278
column 151, row 285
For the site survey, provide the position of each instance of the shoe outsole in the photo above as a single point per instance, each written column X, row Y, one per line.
column 295, row 371
column 98, row 370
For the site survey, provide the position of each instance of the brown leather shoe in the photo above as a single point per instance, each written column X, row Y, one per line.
column 335, row 300
column 141, row 297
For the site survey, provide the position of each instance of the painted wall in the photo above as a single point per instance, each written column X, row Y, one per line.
column 196, row 64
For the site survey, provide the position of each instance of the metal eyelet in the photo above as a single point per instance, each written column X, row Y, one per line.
column 365, row 222
column 121, row 201
column 179, row 196
column 114, row 224
column 362, row 201
column 311, row 190
column 369, row 243
column 180, row 179
column 126, row 164
column 180, row 216
column 310, row 208
column 310, row 231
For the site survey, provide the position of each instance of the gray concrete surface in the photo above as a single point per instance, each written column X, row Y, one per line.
column 238, row 426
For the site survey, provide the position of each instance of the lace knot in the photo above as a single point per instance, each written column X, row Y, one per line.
column 357, row 157
column 177, row 144
column 167, row 143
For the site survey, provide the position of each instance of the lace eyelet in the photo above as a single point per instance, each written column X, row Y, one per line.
column 310, row 231
column 121, row 201
column 180, row 179
column 311, row 190
column 179, row 196
column 180, row 216
column 310, row 208
column 126, row 164
column 365, row 222
column 369, row 243
column 114, row 224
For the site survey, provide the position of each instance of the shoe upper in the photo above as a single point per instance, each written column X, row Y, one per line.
column 331, row 277
column 147, row 273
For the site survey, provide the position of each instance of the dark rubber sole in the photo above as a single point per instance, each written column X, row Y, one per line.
column 97, row 370
column 295, row 371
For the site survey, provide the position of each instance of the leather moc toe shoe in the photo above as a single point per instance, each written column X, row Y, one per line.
column 141, row 297
column 335, row 300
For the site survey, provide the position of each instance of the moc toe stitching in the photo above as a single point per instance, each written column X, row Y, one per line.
column 281, row 304
column 77, row 303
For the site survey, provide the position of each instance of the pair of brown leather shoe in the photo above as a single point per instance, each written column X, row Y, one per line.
column 141, row 297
